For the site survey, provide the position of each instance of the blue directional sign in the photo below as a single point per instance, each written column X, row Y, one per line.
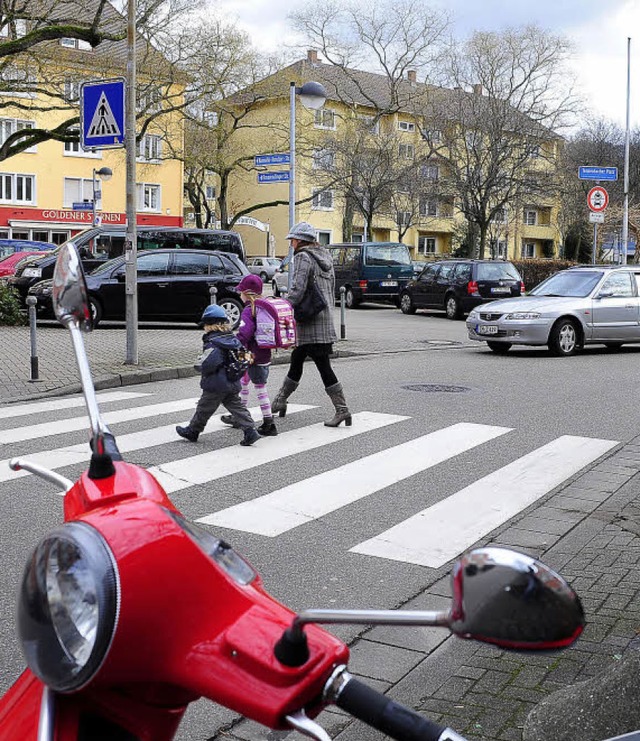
column 281, row 176
column 82, row 206
column 598, row 173
column 102, row 114
column 271, row 159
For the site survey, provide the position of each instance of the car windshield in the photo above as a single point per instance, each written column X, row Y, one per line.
column 387, row 254
column 569, row 283
column 273, row 261
column 497, row 271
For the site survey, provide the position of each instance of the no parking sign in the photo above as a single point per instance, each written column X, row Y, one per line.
column 597, row 199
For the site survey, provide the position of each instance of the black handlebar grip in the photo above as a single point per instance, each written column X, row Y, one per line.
column 387, row 716
column 111, row 447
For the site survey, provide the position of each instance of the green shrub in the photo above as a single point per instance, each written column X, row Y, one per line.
column 535, row 271
column 10, row 314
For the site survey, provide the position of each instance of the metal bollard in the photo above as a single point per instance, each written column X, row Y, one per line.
column 343, row 320
column 31, row 303
column 213, row 292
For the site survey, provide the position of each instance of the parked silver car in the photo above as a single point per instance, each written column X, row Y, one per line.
column 265, row 267
column 572, row 308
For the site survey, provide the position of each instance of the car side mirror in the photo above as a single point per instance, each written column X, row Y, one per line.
column 121, row 277
column 605, row 294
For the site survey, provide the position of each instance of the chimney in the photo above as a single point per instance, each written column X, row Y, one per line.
column 477, row 89
column 312, row 56
column 411, row 76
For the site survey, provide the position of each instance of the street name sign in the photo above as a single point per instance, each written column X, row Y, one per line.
column 596, row 218
column 82, row 206
column 102, row 114
column 280, row 176
column 597, row 199
column 261, row 160
column 598, row 173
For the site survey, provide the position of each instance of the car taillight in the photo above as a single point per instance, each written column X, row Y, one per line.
column 472, row 287
column 363, row 284
column 522, row 286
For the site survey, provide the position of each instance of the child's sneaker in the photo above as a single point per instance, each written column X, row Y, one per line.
column 228, row 419
column 188, row 434
column 268, row 428
column 250, row 436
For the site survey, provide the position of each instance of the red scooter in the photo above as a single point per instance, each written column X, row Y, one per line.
column 127, row 612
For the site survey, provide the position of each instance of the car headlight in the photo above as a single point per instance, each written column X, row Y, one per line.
column 523, row 315
column 68, row 606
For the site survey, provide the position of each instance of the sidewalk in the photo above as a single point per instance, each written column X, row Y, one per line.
column 166, row 353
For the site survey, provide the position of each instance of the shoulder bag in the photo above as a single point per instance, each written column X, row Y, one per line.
column 312, row 301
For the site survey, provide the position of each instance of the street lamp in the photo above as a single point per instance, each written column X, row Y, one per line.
column 312, row 96
column 104, row 173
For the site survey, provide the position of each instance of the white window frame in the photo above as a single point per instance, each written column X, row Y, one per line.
column 15, row 176
column 501, row 216
column 407, row 126
column 320, row 117
column 320, row 198
column 371, row 122
column 406, row 151
column 403, row 218
column 324, row 159
column 429, row 207
column 357, row 237
column 434, row 135
column 28, row 79
column 423, row 242
column 141, row 190
column 210, row 192
column 328, row 233
column 150, row 148
column 528, row 250
column 530, row 217
column 84, row 192
column 500, row 248
column 430, row 172
column 16, row 124
column 73, row 149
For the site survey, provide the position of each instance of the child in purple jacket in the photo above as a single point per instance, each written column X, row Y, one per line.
column 250, row 288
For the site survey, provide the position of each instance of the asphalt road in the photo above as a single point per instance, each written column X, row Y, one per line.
column 536, row 399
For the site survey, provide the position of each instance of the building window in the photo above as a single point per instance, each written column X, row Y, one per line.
column 325, row 118
column 500, row 216
column 70, row 43
column 406, row 126
column 499, row 248
column 429, row 207
column 73, row 149
column 9, row 126
column 324, row 159
column 530, row 218
column 210, row 192
column 430, row 172
column 149, row 99
column 432, row 135
column 528, row 250
column 405, row 151
column 370, row 123
column 324, row 237
column 322, row 200
column 20, row 25
column 72, row 86
column 426, row 245
column 15, row 188
column 18, row 82
column 357, row 238
column 403, row 218
column 148, row 197
column 150, row 148
column 77, row 190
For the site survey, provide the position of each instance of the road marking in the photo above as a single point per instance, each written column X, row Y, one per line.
column 315, row 497
column 60, row 457
column 201, row 469
column 42, row 407
column 46, row 429
column 441, row 532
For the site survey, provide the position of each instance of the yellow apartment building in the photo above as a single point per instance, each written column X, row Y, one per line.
column 525, row 229
column 39, row 186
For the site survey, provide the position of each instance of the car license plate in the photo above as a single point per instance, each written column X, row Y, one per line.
column 389, row 283
column 501, row 290
column 487, row 329
column 32, row 273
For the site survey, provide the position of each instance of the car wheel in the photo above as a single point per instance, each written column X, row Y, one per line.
column 406, row 304
column 500, row 348
column 233, row 308
column 96, row 311
column 264, row 277
column 452, row 307
column 613, row 345
column 351, row 302
column 274, row 288
column 564, row 338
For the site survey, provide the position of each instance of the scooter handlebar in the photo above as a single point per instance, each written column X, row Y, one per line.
column 382, row 713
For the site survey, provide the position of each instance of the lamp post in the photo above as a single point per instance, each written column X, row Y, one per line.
column 104, row 173
column 313, row 96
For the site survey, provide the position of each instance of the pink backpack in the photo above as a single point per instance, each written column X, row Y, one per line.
column 275, row 325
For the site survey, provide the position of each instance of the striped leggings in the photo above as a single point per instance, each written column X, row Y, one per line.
column 263, row 395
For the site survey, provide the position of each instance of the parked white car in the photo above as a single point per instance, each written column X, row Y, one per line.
column 265, row 267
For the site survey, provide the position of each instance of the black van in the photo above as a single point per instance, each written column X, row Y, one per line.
column 371, row 271
column 97, row 245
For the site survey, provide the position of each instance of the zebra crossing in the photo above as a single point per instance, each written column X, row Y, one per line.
column 430, row 537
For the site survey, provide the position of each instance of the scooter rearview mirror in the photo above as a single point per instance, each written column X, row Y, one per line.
column 513, row 601
column 69, row 290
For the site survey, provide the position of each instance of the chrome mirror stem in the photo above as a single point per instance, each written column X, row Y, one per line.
column 46, row 722
column 374, row 617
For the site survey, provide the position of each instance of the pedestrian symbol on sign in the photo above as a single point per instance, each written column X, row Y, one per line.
column 103, row 122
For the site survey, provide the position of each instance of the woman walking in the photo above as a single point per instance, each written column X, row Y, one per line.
column 316, row 336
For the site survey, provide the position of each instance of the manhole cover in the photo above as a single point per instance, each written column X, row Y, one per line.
column 429, row 388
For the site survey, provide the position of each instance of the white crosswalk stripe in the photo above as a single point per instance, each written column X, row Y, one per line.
column 71, row 402
column 439, row 533
column 284, row 509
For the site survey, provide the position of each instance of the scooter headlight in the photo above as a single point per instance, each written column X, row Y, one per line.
column 68, row 606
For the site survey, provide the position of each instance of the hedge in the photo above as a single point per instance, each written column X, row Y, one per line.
column 10, row 314
column 535, row 271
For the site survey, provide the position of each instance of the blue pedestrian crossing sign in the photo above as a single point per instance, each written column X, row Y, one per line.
column 102, row 114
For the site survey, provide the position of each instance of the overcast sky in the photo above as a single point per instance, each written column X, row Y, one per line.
column 598, row 28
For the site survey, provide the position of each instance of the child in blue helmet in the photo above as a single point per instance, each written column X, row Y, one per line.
column 216, row 387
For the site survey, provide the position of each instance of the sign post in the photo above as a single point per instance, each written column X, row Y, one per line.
column 597, row 200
